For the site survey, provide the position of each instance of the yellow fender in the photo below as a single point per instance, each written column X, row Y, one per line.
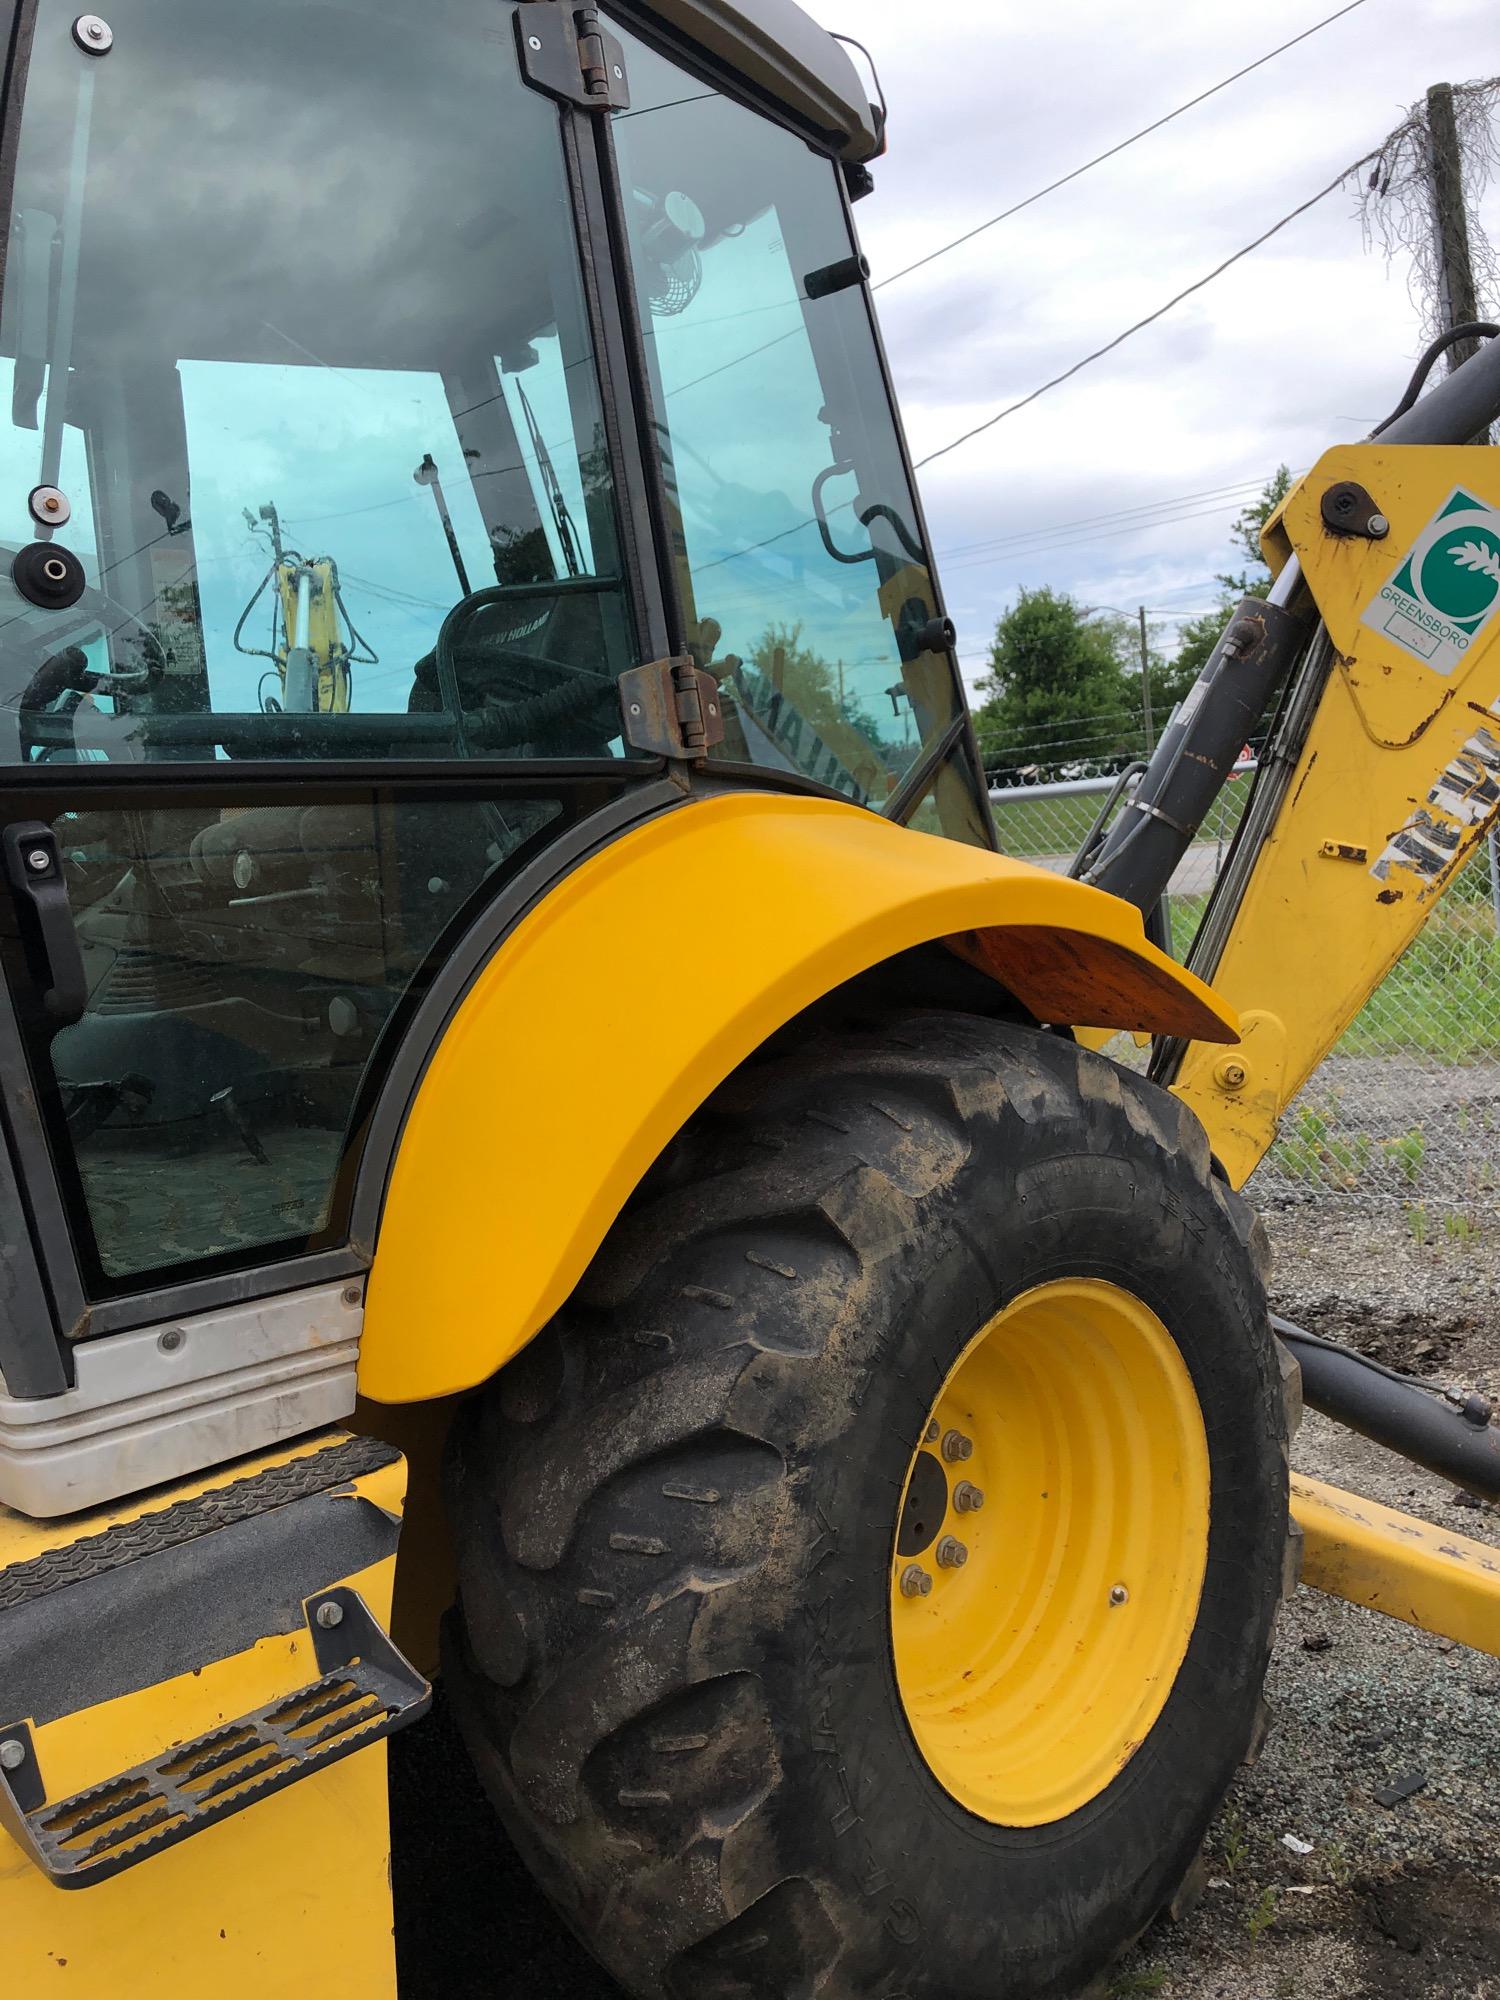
column 603, row 1021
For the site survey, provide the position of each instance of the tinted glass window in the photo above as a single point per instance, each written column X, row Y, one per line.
column 798, row 549
column 293, row 316
column 244, row 962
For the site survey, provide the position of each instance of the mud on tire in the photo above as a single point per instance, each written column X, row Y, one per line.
column 675, row 1513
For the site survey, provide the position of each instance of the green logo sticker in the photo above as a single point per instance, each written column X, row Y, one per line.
column 1447, row 588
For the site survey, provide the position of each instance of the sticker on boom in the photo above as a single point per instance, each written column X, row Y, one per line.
column 1447, row 588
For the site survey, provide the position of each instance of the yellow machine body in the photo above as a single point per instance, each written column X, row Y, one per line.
column 324, row 638
column 289, row 1895
column 606, row 1018
column 1404, row 1568
column 1397, row 783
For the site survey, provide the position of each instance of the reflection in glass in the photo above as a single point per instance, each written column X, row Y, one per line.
column 304, row 343
column 798, row 551
column 242, row 962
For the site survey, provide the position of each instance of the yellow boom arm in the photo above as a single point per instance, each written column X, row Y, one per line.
column 1396, row 783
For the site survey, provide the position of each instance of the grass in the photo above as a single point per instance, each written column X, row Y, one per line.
column 1152, row 1980
column 1261, row 1918
column 1442, row 999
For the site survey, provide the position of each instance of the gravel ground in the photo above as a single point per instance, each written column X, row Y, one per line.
column 1400, row 1901
column 1374, row 1902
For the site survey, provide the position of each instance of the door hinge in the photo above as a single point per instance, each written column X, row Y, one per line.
column 671, row 709
column 570, row 54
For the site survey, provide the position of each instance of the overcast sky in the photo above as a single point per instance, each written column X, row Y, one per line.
column 1306, row 341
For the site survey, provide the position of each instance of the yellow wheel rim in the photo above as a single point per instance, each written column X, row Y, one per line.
column 1050, row 1552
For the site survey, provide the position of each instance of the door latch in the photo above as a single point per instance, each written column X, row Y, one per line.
column 34, row 870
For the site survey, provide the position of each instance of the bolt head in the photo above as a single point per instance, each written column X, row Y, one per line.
column 956, row 1446
column 93, row 34
column 1119, row 1595
column 170, row 1341
column 1380, row 527
column 915, row 1582
column 932, row 1433
column 967, row 1498
column 330, row 1614
column 38, row 860
column 951, row 1553
column 12, row 1754
column 49, row 505
column 1230, row 1074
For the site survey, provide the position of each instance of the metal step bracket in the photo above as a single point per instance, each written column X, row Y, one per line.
column 365, row 1690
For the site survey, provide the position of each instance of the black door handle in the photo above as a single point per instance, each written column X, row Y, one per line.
column 34, row 869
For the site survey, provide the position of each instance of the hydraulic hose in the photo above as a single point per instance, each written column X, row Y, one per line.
column 1248, row 666
column 1454, row 1438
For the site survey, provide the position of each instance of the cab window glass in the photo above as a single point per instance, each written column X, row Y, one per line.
column 309, row 359
column 799, row 556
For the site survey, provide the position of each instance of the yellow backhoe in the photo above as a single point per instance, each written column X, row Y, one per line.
column 540, row 1137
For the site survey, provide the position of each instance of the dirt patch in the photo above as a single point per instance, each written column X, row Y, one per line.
column 1427, row 1934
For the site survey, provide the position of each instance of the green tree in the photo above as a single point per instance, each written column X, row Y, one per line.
column 805, row 678
column 1060, row 690
column 1201, row 635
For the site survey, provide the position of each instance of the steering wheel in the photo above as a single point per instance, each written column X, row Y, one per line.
column 523, row 718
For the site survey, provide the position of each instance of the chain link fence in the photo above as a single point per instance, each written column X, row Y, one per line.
column 1405, row 1111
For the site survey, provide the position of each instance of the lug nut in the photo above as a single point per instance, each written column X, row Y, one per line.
column 967, row 1498
column 932, row 1433
column 1119, row 1595
column 951, row 1553
column 956, row 1445
column 915, row 1582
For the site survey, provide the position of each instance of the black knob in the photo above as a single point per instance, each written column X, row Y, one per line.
column 46, row 573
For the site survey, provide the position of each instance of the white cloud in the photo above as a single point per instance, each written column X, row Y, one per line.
column 1305, row 342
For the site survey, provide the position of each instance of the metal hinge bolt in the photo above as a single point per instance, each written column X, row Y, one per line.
column 915, row 1582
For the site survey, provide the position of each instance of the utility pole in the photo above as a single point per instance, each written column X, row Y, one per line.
column 1450, row 221
column 1456, row 296
column 1146, row 686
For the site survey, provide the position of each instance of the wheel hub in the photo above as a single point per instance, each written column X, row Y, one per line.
column 1050, row 1550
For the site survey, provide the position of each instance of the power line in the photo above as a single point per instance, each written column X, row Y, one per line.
column 1099, row 158
column 1030, row 551
column 1100, row 520
column 1151, row 318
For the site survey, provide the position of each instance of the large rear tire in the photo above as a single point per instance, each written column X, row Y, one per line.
column 745, row 1760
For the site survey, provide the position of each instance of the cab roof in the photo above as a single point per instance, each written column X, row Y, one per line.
column 776, row 47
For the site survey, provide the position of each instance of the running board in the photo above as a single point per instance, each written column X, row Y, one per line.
column 366, row 1690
